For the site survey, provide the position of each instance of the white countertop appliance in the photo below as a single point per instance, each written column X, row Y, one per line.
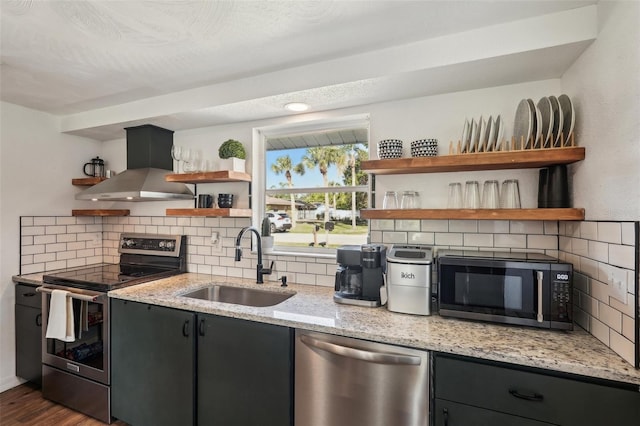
column 409, row 279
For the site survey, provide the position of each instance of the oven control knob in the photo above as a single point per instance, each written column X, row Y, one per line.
column 161, row 244
column 128, row 243
column 170, row 245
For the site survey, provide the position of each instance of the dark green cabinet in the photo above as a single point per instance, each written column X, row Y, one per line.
column 152, row 374
column 467, row 389
column 28, row 328
column 244, row 373
column 173, row 367
column 448, row 413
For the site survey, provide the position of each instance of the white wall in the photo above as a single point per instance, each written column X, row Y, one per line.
column 604, row 84
column 37, row 164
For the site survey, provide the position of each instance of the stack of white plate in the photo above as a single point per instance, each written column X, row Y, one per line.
column 389, row 148
column 424, row 148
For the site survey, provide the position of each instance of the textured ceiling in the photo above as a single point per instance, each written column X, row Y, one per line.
column 73, row 57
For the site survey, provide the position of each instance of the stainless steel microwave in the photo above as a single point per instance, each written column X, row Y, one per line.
column 512, row 288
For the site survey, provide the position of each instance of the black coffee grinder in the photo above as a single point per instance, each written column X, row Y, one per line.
column 360, row 274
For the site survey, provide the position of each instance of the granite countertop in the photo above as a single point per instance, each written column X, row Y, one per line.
column 312, row 308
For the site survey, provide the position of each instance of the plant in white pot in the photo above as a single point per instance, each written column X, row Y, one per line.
column 232, row 156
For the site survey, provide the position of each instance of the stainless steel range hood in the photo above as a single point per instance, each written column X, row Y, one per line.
column 148, row 161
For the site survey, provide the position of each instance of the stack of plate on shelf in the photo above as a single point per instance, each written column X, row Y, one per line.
column 481, row 135
column 389, row 148
column 548, row 123
column 424, row 148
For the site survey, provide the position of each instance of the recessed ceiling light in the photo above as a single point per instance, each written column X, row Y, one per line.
column 296, row 106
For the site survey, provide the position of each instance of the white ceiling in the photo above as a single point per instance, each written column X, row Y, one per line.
column 102, row 65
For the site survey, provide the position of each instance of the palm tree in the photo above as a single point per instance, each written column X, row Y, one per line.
column 321, row 157
column 284, row 164
column 347, row 158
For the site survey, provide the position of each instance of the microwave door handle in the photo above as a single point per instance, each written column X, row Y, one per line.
column 540, row 276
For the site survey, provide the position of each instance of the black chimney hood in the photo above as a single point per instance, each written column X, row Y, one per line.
column 148, row 162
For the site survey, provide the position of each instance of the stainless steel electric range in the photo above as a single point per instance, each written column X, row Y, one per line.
column 77, row 373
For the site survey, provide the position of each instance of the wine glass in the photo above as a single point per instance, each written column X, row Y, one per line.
column 176, row 154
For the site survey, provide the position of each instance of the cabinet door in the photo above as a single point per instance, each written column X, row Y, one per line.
column 244, row 373
column 534, row 395
column 152, row 355
column 29, row 343
column 449, row 413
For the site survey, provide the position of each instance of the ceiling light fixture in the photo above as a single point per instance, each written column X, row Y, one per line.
column 296, row 106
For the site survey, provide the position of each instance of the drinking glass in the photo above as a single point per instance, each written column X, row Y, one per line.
column 471, row 195
column 176, row 154
column 196, row 160
column 390, row 200
column 490, row 195
column 187, row 155
column 455, row 196
column 410, row 200
column 510, row 194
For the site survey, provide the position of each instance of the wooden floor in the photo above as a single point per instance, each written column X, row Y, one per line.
column 25, row 406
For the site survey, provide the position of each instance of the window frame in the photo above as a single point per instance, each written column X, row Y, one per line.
column 259, row 172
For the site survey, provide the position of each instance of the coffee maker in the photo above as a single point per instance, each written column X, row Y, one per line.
column 360, row 274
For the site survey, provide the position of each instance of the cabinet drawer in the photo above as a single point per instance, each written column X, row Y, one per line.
column 447, row 413
column 27, row 295
column 533, row 395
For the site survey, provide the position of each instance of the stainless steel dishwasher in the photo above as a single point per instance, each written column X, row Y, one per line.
column 343, row 381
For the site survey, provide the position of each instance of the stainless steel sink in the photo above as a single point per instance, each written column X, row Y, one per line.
column 239, row 295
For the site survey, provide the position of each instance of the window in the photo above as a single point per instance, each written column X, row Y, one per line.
column 308, row 183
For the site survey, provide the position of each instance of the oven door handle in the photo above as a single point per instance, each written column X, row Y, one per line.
column 79, row 296
column 540, row 279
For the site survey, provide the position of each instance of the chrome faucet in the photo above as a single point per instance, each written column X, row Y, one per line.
column 260, row 271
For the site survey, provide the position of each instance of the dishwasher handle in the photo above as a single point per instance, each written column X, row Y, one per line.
column 360, row 354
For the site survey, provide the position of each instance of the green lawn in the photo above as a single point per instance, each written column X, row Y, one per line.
column 340, row 228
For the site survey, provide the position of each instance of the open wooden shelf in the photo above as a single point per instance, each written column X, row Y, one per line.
column 532, row 158
column 102, row 212
column 210, row 212
column 209, row 177
column 478, row 214
column 88, row 181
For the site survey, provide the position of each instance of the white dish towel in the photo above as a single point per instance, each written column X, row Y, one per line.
column 60, row 325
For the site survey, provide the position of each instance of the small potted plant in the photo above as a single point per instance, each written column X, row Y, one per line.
column 232, row 156
column 267, row 238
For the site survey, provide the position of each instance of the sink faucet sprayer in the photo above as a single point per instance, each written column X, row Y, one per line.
column 259, row 269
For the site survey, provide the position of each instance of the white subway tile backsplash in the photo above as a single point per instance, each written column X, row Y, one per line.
column 419, row 238
column 551, row 227
column 478, row 240
column 463, row 226
column 448, row 239
column 510, row 241
column 623, row 256
column 389, row 237
column 434, row 225
column 610, row 317
column 628, row 328
column 407, row 225
column 628, row 233
column 543, row 242
column 383, row 225
column 32, row 230
column 588, row 230
column 526, row 227
column 623, row 347
column 598, row 251
column 493, row 226
column 599, row 330
column 610, row 232
column 592, row 247
column 44, row 221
